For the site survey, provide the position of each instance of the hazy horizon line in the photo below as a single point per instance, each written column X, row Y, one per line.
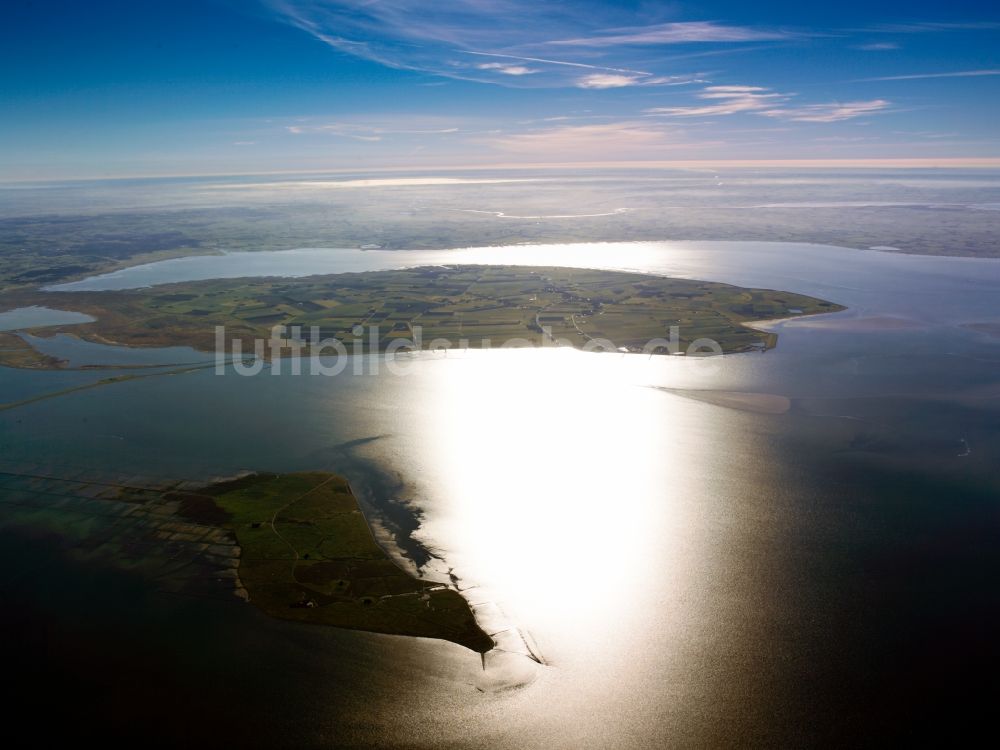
column 897, row 163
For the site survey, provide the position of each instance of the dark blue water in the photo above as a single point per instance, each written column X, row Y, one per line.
column 695, row 575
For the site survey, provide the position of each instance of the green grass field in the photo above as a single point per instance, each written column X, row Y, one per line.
column 473, row 306
column 307, row 554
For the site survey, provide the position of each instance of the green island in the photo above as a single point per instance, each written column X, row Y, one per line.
column 307, row 554
column 473, row 306
column 297, row 546
column 16, row 352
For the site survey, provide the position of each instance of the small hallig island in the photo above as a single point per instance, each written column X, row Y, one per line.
column 307, row 554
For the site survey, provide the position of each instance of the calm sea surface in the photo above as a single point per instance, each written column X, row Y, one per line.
column 693, row 574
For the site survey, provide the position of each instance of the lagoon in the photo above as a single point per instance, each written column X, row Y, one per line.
column 39, row 317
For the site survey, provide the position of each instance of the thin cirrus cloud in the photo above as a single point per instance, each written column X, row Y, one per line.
column 558, row 63
column 371, row 131
column 953, row 74
column 726, row 100
column 509, row 70
column 602, row 78
column 619, row 63
column 521, row 37
column 685, row 32
column 618, row 140
column 758, row 100
column 878, row 46
column 831, row 112
column 930, row 27
column 618, row 80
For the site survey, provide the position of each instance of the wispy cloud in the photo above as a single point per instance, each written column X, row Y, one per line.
column 615, row 140
column 727, row 100
column 731, row 100
column 618, row 80
column 925, row 27
column 685, row 32
column 878, row 46
column 372, row 131
column 954, row 74
column 927, row 133
column 338, row 130
column 563, row 63
column 831, row 112
column 845, row 139
column 605, row 81
column 445, row 38
column 611, row 55
column 509, row 70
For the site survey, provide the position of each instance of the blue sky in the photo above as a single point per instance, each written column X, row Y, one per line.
column 220, row 86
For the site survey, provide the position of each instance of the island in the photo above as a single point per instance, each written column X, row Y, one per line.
column 458, row 306
column 306, row 553
column 297, row 546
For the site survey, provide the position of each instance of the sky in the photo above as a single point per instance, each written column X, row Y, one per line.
column 108, row 88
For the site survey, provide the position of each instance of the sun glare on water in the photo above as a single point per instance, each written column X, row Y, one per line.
column 565, row 487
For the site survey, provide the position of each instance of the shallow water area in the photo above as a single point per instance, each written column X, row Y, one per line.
column 39, row 317
column 695, row 565
column 76, row 352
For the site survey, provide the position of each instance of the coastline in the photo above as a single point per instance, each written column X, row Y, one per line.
column 457, row 306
